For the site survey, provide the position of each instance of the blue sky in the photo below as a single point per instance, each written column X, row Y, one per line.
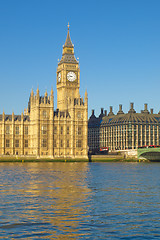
column 117, row 42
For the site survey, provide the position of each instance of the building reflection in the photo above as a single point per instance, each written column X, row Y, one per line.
column 61, row 196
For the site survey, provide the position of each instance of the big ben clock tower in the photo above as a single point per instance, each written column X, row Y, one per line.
column 68, row 76
column 72, row 116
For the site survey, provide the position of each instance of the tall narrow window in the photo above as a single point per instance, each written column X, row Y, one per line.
column 7, row 143
column 79, row 143
column 26, row 143
column 55, row 130
column 44, row 129
column 79, row 131
column 44, row 143
column 61, row 130
column 67, row 130
column 17, row 130
column 26, row 130
column 44, row 114
column 17, row 143
column 67, row 143
column 7, row 129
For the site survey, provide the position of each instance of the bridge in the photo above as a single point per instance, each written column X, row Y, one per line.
column 151, row 153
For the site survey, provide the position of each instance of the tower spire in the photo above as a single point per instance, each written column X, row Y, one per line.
column 68, row 42
column 68, row 51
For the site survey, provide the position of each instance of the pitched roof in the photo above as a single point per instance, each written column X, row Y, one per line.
column 68, row 42
column 68, row 57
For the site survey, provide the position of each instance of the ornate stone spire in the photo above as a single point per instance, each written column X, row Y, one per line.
column 52, row 91
column 68, row 42
column 46, row 93
column 3, row 115
column 37, row 91
column 32, row 93
column 68, row 51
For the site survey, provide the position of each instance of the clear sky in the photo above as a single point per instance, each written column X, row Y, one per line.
column 117, row 42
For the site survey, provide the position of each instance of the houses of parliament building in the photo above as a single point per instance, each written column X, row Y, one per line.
column 44, row 132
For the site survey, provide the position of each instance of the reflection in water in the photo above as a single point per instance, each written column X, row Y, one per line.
column 65, row 191
column 79, row 201
column 53, row 193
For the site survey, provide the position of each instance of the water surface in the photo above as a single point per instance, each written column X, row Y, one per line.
column 79, row 201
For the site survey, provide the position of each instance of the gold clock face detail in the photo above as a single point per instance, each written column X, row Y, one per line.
column 59, row 77
column 71, row 76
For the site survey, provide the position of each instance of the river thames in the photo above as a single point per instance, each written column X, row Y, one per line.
column 80, row 201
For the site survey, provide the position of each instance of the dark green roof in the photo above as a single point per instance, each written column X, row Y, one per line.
column 132, row 117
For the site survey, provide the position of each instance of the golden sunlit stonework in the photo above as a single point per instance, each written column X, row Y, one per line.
column 47, row 133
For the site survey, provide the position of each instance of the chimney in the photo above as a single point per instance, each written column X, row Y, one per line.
column 151, row 110
column 132, row 104
column 101, row 110
column 131, row 108
column 105, row 112
column 120, row 109
column 145, row 106
column 111, row 111
column 92, row 111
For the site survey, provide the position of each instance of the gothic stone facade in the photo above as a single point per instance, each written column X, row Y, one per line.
column 124, row 130
column 43, row 132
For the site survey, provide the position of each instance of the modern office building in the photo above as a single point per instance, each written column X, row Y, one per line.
column 124, row 130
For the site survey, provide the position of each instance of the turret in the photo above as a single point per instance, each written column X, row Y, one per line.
column 46, row 94
column 22, row 116
column 37, row 91
column 37, row 96
column 52, row 97
column 32, row 93
column 13, row 117
column 3, row 116
column 86, row 98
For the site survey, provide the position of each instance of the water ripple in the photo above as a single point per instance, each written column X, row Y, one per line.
column 79, row 201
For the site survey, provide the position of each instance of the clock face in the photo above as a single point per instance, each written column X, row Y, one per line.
column 71, row 76
column 59, row 77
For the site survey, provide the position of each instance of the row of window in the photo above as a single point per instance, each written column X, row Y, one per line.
column 79, row 130
column 16, row 144
column 43, row 130
column 78, row 143
column 43, row 143
column 17, row 130
column 118, row 128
